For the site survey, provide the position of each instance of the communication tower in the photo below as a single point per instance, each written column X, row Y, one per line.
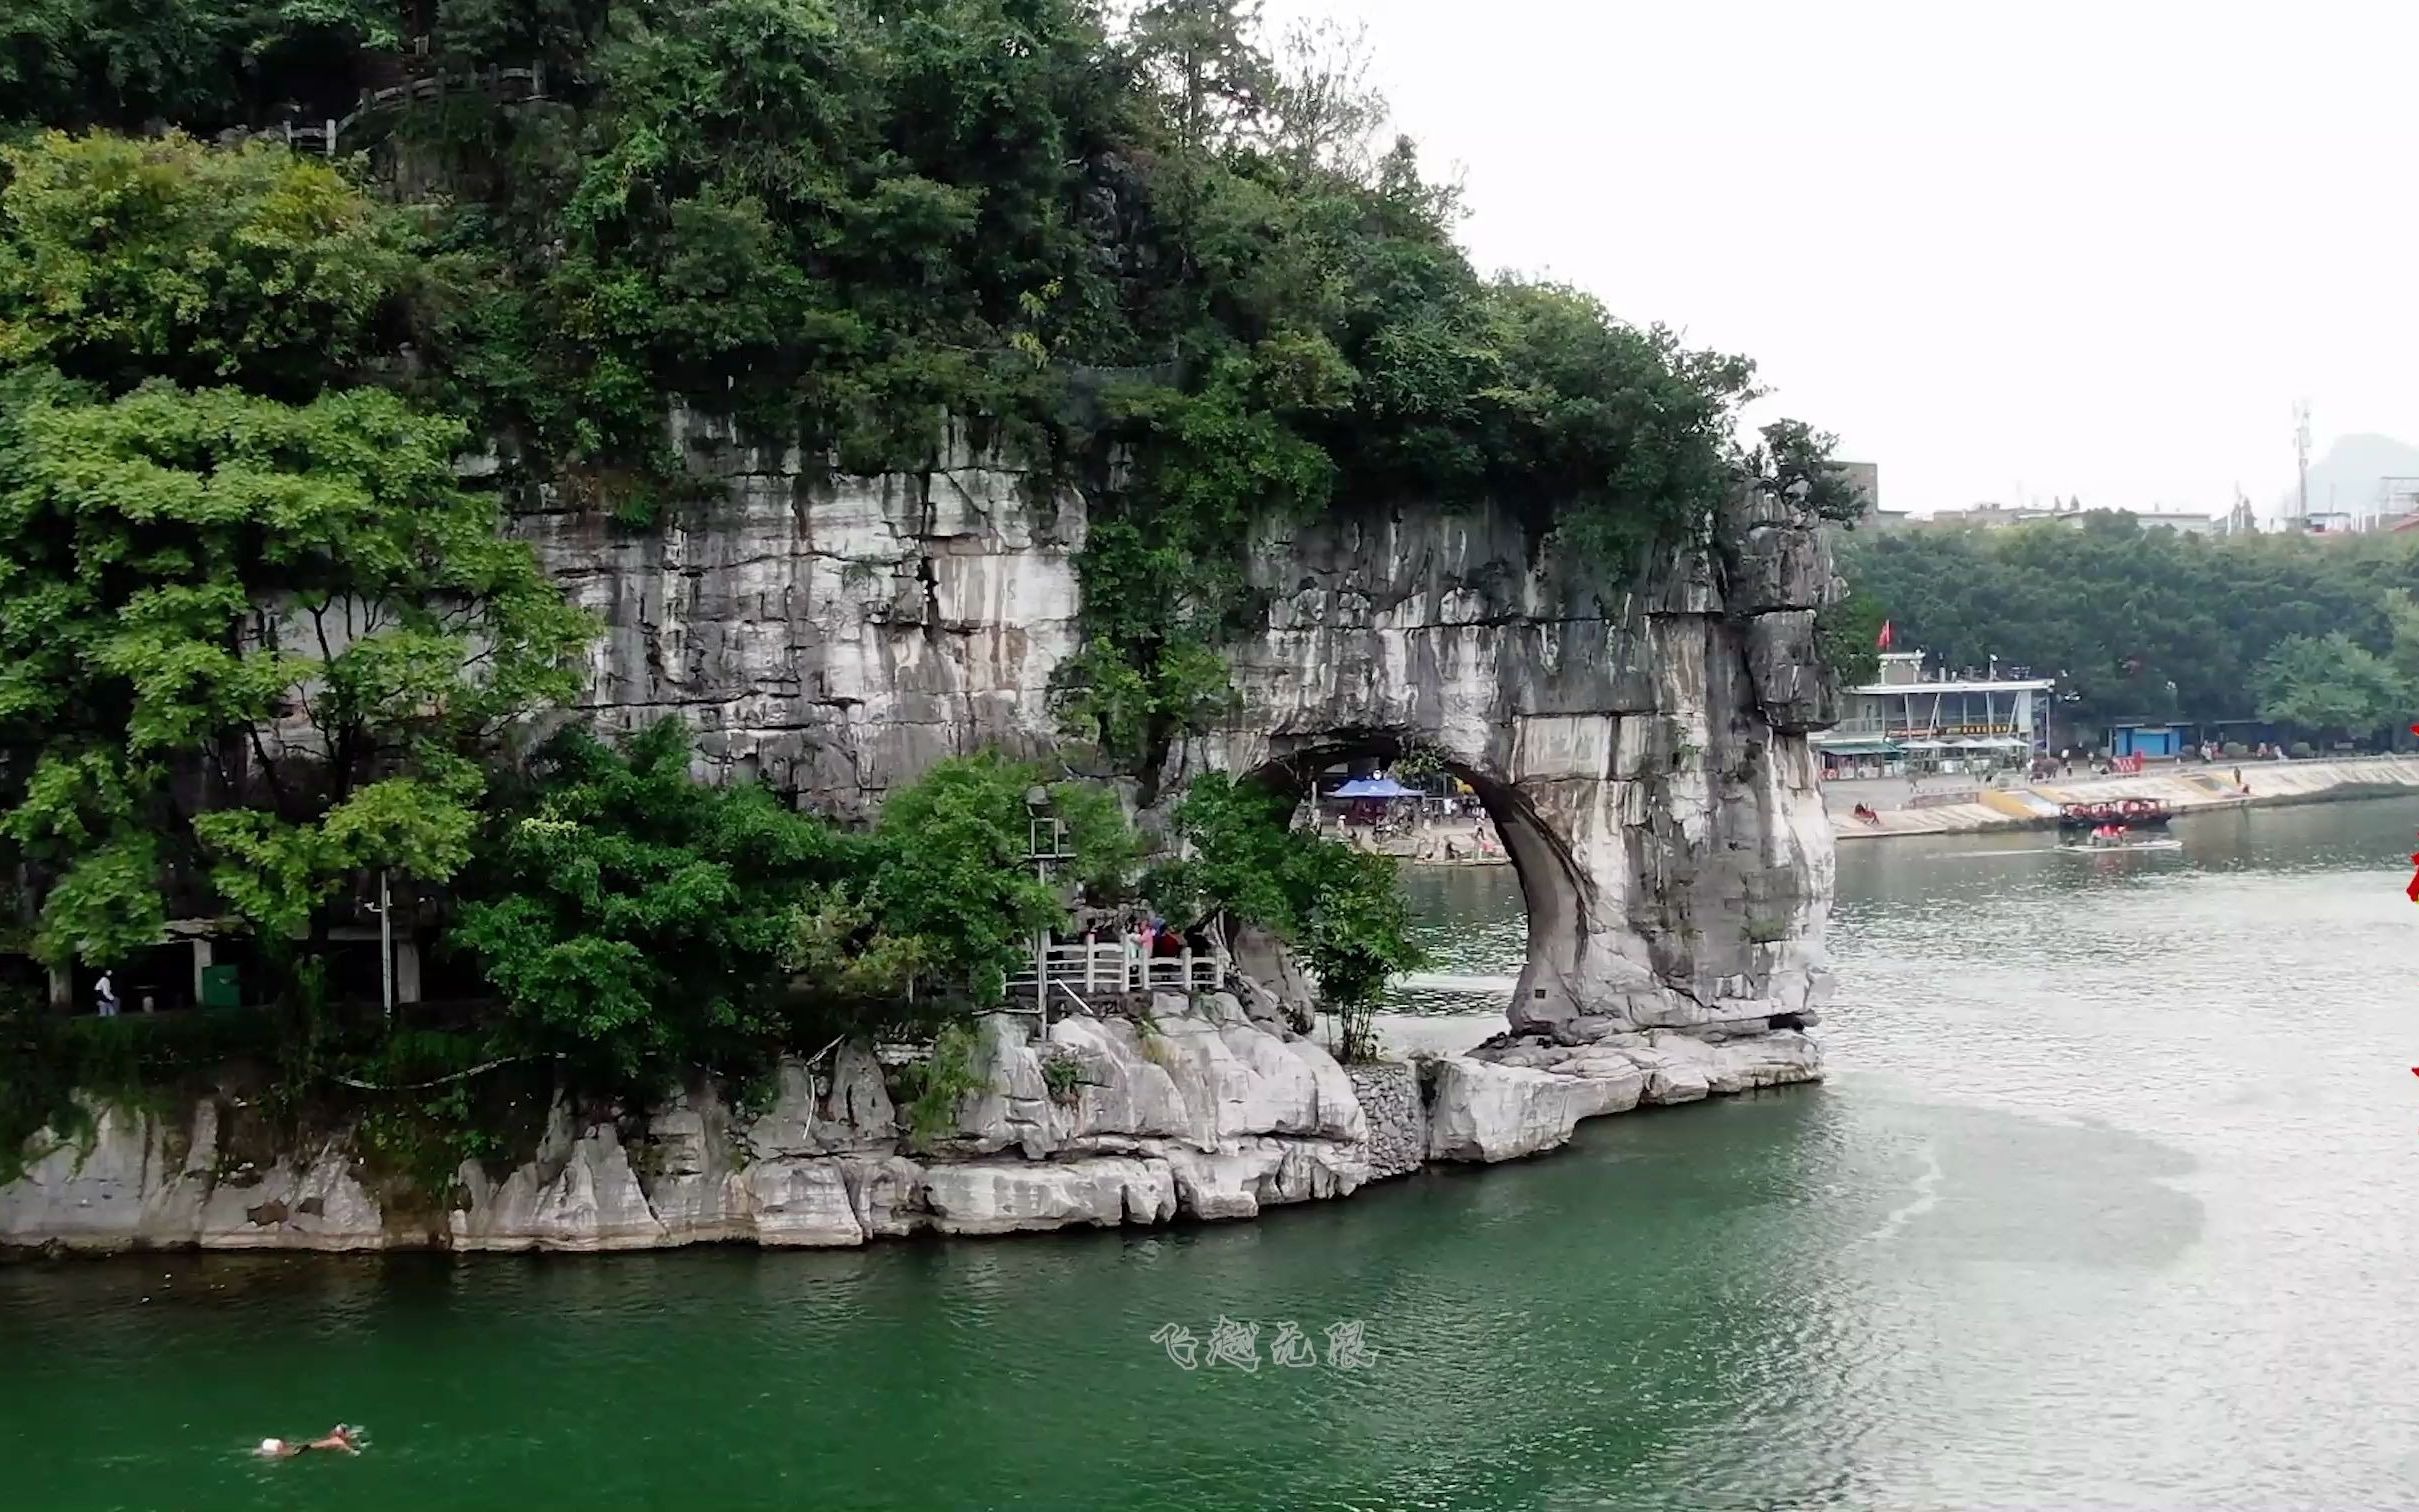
column 2301, row 460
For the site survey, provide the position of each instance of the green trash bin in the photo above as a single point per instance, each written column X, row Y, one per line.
column 220, row 989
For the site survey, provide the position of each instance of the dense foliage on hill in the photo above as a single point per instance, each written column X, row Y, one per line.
column 2318, row 634
column 259, row 640
column 841, row 220
column 254, row 635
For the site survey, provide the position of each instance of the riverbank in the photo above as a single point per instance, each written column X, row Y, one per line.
column 2185, row 790
column 1198, row 1111
column 1463, row 841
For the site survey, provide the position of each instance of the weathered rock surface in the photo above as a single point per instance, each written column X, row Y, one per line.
column 1641, row 748
column 1494, row 1112
column 1004, row 1196
column 146, row 1182
column 1211, row 1117
column 1389, row 1094
column 832, row 634
column 1643, row 755
column 1518, row 1097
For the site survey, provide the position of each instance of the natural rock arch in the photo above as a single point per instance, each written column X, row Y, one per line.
column 1645, row 758
column 1643, row 746
column 1554, row 891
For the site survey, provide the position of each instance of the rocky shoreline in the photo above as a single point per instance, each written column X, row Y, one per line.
column 1199, row 1112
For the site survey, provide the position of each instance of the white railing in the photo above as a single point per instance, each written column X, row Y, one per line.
column 321, row 134
column 1118, row 966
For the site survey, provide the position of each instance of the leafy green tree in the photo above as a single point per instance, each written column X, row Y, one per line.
column 1322, row 109
column 124, row 261
column 2402, row 641
column 634, row 919
column 1164, row 581
column 1204, row 57
column 254, row 635
column 263, row 638
column 198, row 64
column 2327, row 684
column 955, row 868
column 1339, row 906
column 1846, row 637
column 2115, row 612
column 1795, row 461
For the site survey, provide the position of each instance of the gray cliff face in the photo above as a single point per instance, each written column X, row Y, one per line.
column 835, row 635
column 1646, row 762
column 1643, row 751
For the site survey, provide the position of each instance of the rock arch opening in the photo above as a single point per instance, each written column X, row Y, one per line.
column 1553, row 889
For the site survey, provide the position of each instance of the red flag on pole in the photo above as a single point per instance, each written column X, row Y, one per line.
column 1882, row 641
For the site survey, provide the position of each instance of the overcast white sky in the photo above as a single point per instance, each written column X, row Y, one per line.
column 2061, row 248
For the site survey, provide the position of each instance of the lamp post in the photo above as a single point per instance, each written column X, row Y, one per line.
column 386, row 950
column 1039, row 823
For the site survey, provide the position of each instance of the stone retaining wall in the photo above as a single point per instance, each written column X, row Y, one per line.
column 1389, row 1093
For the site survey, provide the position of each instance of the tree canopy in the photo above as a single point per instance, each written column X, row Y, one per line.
column 254, row 630
column 1174, row 239
column 2117, row 612
column 637, row 920
column 2330, row 684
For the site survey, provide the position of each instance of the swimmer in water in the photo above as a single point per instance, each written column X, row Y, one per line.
column 339, row 1437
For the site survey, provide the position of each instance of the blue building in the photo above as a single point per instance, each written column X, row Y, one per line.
column 2151, row 742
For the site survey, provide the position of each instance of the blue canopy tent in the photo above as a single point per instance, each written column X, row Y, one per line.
column 1374, row 787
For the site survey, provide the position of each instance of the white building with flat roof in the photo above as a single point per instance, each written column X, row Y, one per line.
column 1908, row 717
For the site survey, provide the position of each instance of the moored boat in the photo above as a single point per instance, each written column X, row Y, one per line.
column 2118, row 813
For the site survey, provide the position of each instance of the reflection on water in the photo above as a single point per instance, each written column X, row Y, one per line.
column 1471, row 920
column 2109, row 1203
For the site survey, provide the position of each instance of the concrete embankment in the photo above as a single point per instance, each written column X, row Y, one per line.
column 2185, row 789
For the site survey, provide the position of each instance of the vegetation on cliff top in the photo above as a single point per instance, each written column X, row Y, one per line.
column 841, row 221
column 260, row 641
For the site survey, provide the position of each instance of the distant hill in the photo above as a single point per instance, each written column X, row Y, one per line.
column 2346, row 478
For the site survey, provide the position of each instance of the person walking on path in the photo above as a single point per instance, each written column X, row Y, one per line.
column 105, row 997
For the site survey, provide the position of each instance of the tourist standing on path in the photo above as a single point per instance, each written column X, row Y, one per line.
column 105, row 997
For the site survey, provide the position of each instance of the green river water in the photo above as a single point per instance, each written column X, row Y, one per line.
column 2109, row 1203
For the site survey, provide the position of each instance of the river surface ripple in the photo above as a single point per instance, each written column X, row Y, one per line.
column 2109, row 1203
